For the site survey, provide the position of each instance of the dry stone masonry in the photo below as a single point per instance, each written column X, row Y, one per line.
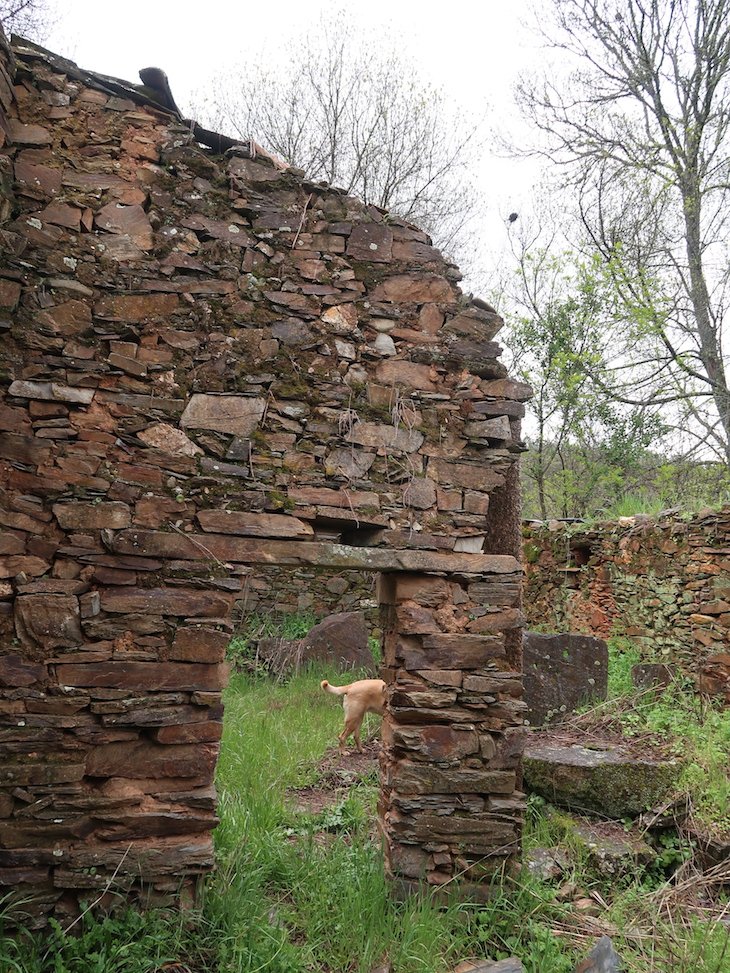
column 211, row 365
column 663, row 581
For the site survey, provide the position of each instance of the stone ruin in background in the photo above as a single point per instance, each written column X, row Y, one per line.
column 209, row 365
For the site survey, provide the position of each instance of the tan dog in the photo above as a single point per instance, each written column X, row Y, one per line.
column 359, row 698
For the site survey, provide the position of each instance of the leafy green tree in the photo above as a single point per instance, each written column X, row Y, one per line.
column 585, row 447
column 635, row 109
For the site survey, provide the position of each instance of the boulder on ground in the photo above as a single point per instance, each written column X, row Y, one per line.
column 603, row 778
column 340, row 640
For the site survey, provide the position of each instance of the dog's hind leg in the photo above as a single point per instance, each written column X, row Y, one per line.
column 352, row 726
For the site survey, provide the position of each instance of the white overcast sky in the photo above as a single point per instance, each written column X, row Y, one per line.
column 473, row 50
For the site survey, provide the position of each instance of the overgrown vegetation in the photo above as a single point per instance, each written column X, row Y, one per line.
column 301, row 890
column 680, row 722
column 242, row 651
column 607, row 480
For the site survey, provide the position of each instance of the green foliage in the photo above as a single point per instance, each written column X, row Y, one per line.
column 130, row 942
column 622, row 656
column 692, row 728
column 255, row 626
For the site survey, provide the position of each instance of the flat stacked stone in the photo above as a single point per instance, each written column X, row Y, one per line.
column 212, row 367
column 664, row 581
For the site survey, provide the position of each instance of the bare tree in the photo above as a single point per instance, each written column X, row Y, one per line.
column 27, row 18
column 351, row 110
column 641, row 125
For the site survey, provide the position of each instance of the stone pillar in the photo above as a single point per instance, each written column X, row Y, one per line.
column 450, row 812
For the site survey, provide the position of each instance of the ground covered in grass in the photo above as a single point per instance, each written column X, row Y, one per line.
column 300, row 885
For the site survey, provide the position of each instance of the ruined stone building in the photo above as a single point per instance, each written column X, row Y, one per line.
column 209, row 365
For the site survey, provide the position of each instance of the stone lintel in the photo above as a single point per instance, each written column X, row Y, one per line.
column 224, row 547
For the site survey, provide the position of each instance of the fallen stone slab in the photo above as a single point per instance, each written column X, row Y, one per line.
column 612, row 850
column 604, row 778
column 341, row 640
column 546, row 863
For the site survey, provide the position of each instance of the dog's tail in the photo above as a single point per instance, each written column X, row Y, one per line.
column 337, row 690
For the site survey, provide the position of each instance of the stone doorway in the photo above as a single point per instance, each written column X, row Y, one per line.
column 210, row 365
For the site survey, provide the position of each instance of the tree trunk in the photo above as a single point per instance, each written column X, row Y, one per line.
column 710, row 354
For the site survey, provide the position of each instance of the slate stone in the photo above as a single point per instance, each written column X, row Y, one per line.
column 341, row 640
column 238, row 415
column 47, row 621
column 130, row 221
column 603, row 958
column 607, row 780
column 561, row 673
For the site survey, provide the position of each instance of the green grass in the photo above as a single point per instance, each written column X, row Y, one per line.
column 690, row 727
column 255, row 626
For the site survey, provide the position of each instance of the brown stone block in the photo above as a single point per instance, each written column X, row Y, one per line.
column 386, row 437
column 68, row 320
column 496, row 593
column 35, row 772
column 413, row 619
column 452, row 651
column 137, row 308
column 91, row 516
column 408, row 374
column 474, row 476
column 17, row 564
column 47, row 621
column 209, row 731
column 128, row 221
column 442, row 677
column 371, row 241
column 432, row 742
column 419, row 493
column 334, row 498
column 189, row 602
column 15, row 671
column 413, row 288
column 156, row 511
column 232, row 233
column 22, row 134
column 11, row 543
column 499, row 621
column 406, row 777
column 238, row 415
column 24, row 449
column 157, row 676
column 422, row 589
column 476, row 503
column 198, row 644
column 166, row 856
column 144, row 759
column 506, row 388
column 37, row 180
column 144, row 824
column 253, row 524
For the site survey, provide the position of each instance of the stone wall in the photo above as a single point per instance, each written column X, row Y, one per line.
column 210, row 364
column 663, row 581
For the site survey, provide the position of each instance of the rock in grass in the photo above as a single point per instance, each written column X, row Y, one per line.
column 607, row 780
column 511, row 965
column 603, row 958
column 611, row 849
